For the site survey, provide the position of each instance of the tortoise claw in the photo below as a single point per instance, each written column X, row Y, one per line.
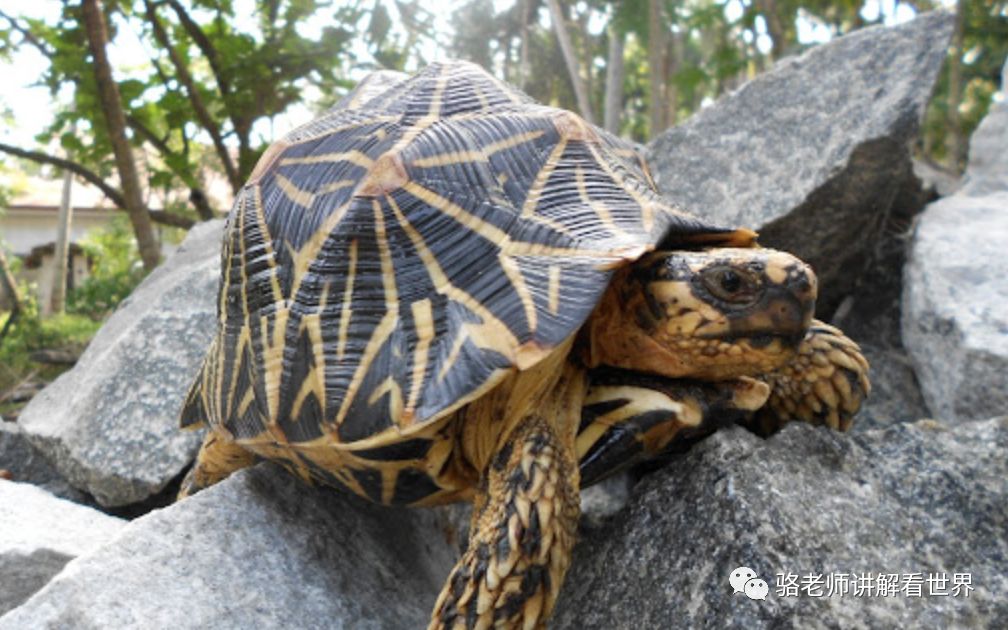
column 825, row 384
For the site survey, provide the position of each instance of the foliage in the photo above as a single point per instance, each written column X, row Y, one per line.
column 985, row 48
column 210, row 73
column 30, row 333
column 115, row 271
column 214, row 74
column 712, row 46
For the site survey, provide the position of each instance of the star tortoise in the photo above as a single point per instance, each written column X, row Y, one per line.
column 449, row 292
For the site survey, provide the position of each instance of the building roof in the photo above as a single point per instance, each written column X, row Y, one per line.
column 39, row 252
column 39, row 194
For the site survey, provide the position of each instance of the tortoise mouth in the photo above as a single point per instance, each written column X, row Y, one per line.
column 761, row 340
column 789, row 340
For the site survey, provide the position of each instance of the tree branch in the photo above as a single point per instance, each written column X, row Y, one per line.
column 159, row 143
column 204, row 44
column 170, row 218
column 28, row 36
column 196, row 194
column 158, row 216
column 570, row 57
column 199, row 107
column 90, row 176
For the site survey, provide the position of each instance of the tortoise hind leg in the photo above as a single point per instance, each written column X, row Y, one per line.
column 217, row 458
column 824, row 384
column 524, row 526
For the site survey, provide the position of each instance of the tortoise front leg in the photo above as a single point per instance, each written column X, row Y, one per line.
column 630, row 417
column 824, row 384
column 524, row 524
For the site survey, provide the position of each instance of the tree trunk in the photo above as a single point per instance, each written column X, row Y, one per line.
column 580, row 91
column 656, row 64
column 199, row 107
column 7, row 279
column 57, row 300
column 775, row 27
column 614, row 81
column 956, row 141
column 672, row 64
column 523, row 51
column 115, row 119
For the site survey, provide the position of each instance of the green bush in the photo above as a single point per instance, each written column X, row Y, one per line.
column 29, row 333
column 116, row 270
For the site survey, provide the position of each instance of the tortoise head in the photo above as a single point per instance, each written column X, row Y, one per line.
column 712, row 314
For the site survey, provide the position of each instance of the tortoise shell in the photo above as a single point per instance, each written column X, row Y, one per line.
column 403, row 254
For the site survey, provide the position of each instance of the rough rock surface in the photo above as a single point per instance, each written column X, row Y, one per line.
column 813, row 152
column 955, row 317
column 110, row 425
column 258, row 550
column 988, row 155
column 39, row 534
column 913, row 498
column 955, row 296
column 27, row 465
column 871, row 316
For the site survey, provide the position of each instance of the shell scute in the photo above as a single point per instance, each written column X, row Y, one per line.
column 398, row 257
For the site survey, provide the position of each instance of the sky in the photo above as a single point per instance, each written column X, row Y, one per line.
column 32, row 106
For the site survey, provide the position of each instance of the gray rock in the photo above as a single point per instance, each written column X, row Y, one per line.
column 258, row 550
column 936, row 177
column 871, row 315
column 604, row 499
column 955, row 296
column 813, row 152
column 110, row 425
column 918, row 498
column 987, row 171
column 955, row 305
column 40, row 534
column 27, row 465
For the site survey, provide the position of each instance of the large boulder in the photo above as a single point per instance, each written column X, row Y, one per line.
column 913, row 501
column 872, row 314
column 987, row 171
column 25, row 464
column 40, row 534
column 258, row 550
column 110, row 425
column 955, row 305
column 813, row 152
column 955, row 296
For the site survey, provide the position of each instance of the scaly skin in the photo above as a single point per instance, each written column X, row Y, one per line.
column 630, row 418
column 825, row 384
column 524, row 526
column 217, row 458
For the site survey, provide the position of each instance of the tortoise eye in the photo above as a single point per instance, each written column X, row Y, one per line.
column 730, row 281
column 730, row 284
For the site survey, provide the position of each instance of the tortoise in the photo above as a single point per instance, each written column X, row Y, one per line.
column 448, row 292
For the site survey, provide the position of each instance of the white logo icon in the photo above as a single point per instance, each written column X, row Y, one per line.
column 756, row 588
column 744, row 580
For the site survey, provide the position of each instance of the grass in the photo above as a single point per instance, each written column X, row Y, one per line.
column 30, row 333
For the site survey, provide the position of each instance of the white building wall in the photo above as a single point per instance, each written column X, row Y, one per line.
column 21, row 229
